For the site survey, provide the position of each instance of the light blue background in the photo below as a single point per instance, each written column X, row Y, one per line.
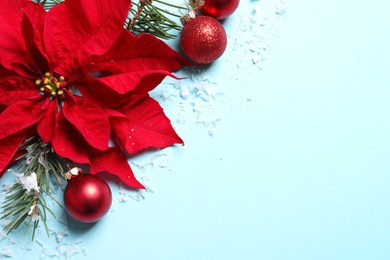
column 298, row 167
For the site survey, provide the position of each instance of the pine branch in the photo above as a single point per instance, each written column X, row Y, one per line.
column 25, row 200
column 150, row 18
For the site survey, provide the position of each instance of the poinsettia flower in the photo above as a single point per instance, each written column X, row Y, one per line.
column 78, row 79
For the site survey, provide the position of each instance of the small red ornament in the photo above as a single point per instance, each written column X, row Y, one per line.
column 219, row 9
column 203, row 39
column 87, row 197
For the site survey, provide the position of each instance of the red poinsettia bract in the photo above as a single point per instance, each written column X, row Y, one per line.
column 78, row 79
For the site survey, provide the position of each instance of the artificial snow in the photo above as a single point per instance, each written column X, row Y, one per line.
column 29, row 182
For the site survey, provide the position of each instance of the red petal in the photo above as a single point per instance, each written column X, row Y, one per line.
column 139, row 63
column 47, row 124
column 15, row 89
column 138, row 53
column 114, row 162
column 19, row 116
column 4, row 72
column 67, row 142
column 146, row 126
column 140, row 82
column 89, row 119
column 76, row 29
column 105, row 97
column 12, row 48
column 120, row 125
column 25, row 70
column 9, row 147
column 32, row 31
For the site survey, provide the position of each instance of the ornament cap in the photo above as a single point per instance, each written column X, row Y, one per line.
column 72, row 173
column 197, row 4
column 188, row 17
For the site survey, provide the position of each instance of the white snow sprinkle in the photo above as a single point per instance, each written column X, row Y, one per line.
column 29, row 182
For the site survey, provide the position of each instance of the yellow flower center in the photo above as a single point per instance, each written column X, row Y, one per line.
column 50, row 85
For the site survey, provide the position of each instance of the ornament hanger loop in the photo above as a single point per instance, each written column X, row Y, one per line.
column 183, row 8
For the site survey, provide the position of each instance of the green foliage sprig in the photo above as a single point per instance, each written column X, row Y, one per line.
column 27, row 203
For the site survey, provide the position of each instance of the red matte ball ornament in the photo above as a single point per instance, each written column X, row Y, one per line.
column 219, row 9
column 87, row 197
column 203, row 39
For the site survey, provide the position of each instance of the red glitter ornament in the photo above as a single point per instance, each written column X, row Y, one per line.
column 203, row 39
column 87, row 197
column 219, row 9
